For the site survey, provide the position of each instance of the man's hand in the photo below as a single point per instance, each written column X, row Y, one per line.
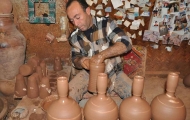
column 98, row 58
column 85, row 62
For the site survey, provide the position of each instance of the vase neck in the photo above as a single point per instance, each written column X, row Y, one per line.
column 6, row 21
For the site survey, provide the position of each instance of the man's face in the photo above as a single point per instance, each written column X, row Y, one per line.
column 80, row 18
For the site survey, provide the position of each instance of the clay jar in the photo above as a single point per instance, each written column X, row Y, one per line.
column 186, row 80
column 32, row 87
column 20, row 86
column 63, row 108
column 100, row 106
column 134, row 107
column 43, row 67
column 57, row 64
column 44, row 88
column 167, row 106
column 29, row 67
column 12, row 44
column 95, row 69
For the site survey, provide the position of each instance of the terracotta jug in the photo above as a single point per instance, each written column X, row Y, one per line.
column 186, row 80
column 167, row 106
column 20, row 86
column 135, row 107
column 64, row 108
column 95, row 69
column 12, row 43
column 100, row 106
column 57, row 64
column 45, row 89
column 32, row 87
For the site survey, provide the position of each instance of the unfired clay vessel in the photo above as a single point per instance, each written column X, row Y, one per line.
column 44, row 88
column 101, row 107
column 134, row 107
column 186, row 80
column 12, row 43
column 57, row 64
column 64, row 108
column 167, row 106
column 20, row 86
column 32, row 87
column 95, row 69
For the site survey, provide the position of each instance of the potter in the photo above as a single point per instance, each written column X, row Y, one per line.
column 96, row 40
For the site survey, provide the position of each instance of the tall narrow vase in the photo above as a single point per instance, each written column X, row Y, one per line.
column 135, row 107
column 64, row 108
column 101, row 107
column 167, row 106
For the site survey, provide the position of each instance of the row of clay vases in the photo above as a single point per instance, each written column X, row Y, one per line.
column 64, row 108
column 167, row 106
column 100, row 106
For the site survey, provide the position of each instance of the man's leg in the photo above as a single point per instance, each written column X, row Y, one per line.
column 123, row 85
column 78, row 85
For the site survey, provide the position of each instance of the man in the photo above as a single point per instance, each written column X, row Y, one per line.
column 96, row 40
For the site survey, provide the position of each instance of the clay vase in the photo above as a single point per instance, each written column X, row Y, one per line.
column 30, row 67
column 95, row 69
column 7, row 87
column 20, row 86
column 45, row 89
column 57, row 64
column 64, row 108
column 12, row 43
column 135, row 107
column 100, row 106
column 39, row 71
column 167, row 106
column 43, row 67
column 32, row 87
column 186, row 80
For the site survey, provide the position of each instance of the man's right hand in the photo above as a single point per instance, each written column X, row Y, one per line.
column 85, row 62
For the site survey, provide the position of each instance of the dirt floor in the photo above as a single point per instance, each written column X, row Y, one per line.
column 155, row 85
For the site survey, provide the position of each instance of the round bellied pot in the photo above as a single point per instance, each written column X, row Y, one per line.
column 101, row 106
column 12, row 43
column 64, row 108
column 135, row 107
column 167, row 106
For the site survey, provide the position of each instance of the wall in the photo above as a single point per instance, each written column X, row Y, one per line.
column 157, row 59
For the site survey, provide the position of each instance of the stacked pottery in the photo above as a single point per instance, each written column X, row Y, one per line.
column 20, row 86
column 64, row 108
column 167, row 106
column 134, row 107
column 100, row 106
column 95, row 69
column 12, row 43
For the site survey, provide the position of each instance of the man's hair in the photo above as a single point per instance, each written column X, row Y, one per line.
column 82, row 3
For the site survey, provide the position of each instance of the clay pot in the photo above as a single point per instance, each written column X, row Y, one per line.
column 57, row 64
column 44, row 88
column 64, row 108
column 7, row 87
column 95, row 69
column 3, row 108
column 167, row 106
column 39, row 71
column 20, row 86
column 30, row 67
column 5, row 7
column 186, row 80
column 101, row 107
column 134, row 107
column 12, row 46
column 32, row 87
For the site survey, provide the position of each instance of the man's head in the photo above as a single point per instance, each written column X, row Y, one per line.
column 78, row 12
